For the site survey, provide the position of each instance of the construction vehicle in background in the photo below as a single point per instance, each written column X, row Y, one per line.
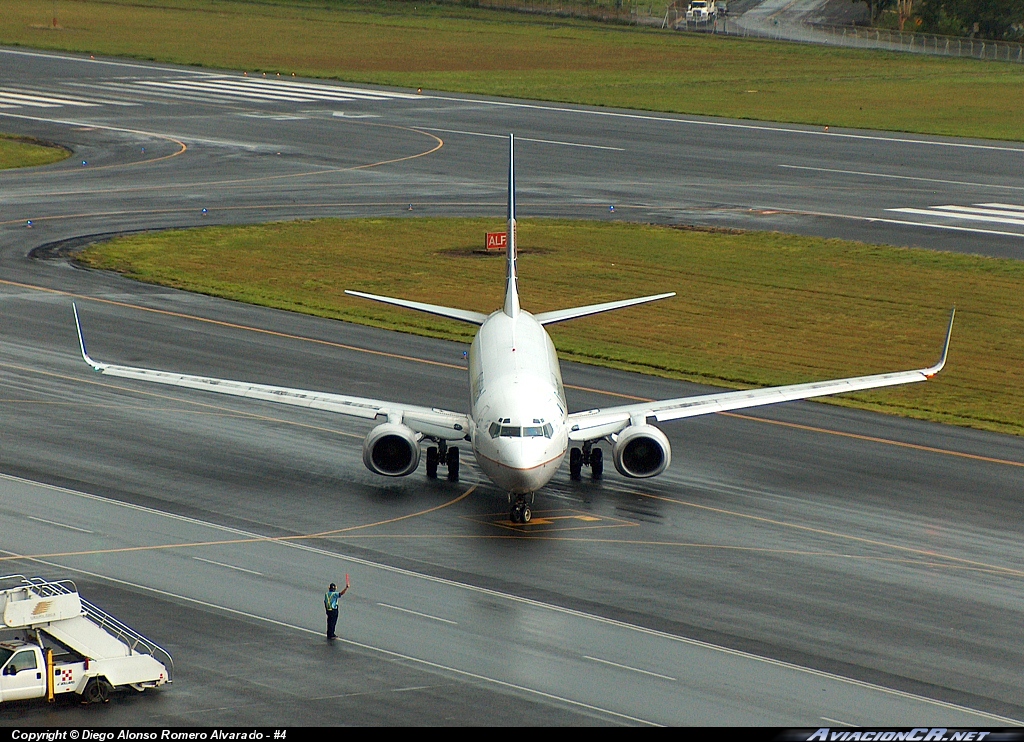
column 60, row 643
column 701, row 11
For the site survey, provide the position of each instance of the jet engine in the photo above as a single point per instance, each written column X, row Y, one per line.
column 641, row 451
column 392, row 450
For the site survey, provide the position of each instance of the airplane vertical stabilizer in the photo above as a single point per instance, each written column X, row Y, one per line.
column 511, row 307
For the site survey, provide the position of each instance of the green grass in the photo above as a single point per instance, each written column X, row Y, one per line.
column 17, row 151
column 753, row 308
column 448, row 47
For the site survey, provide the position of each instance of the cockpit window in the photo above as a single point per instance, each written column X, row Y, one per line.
column 514, row 431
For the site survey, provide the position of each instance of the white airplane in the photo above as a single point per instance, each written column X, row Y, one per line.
column 519, row 424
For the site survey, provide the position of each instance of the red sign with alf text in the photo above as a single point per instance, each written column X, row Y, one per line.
column 496, row 241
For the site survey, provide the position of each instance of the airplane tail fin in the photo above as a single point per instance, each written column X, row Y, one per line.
column 511, row 307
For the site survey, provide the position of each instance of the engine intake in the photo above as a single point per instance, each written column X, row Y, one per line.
column 392, row 450
column 641, row 451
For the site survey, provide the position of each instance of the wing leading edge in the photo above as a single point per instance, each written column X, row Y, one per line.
column 425, row 420
column 595, row 424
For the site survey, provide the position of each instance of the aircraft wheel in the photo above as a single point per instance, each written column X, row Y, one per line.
column 526, row 514
column 432, row 462
column 453, row 464
column 596, row 463
column 515, row 514
column 575, row 463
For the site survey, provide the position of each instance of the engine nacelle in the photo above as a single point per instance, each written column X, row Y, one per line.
column 641, row 451
column 392, row 450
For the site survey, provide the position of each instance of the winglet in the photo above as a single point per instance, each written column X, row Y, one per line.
column 81, row 341
column 931, row 371
column 511, row 307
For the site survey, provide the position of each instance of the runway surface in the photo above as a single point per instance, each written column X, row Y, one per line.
column 806, row 565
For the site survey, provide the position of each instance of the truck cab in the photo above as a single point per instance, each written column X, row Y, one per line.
column 21, row 671
column 701, row 11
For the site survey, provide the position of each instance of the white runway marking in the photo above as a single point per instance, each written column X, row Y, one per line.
column 779, row 128
column 417, row 613
column 148, row 95
column 12, row 95
column 866, row 174
column 229, row 566
column 521, row 139
column 59, row 525
column 1005, row 214
column 631, row 669
column 206, row 87
column 267, row 89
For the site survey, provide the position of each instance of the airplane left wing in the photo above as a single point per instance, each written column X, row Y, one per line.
column 426, row 420
column 595, row 424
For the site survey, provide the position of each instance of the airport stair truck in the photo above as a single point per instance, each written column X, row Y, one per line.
column 63, row 644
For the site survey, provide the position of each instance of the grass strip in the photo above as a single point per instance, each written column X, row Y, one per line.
column 18, row 151
column 753, row 309
column 472, row 50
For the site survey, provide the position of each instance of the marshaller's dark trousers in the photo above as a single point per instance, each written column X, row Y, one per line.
column 332, row 622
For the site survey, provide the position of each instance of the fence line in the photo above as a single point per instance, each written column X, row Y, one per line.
column 868, row 38
column 654, row 14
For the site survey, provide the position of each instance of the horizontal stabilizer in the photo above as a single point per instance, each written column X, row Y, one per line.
column 463, row 315
column 561, row 315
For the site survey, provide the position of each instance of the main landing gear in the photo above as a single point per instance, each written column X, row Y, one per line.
column 521, row 511
column 589, row 456
column 443, row 454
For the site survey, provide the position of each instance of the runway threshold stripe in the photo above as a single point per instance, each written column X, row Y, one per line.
column 961, row 215
column 210, row 88
column 21, row 95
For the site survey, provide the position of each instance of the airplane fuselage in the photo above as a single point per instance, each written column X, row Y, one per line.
column 518, row 413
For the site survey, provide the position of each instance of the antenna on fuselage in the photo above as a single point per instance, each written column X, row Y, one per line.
column 511, row 277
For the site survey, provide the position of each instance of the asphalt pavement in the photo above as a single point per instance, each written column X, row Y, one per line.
column 803, row 565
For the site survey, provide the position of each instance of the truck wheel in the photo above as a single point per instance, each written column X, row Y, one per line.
column 96, row 691
column 91, row 694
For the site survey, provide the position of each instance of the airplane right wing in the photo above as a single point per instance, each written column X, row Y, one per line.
column 599, row 423
column 427, row 420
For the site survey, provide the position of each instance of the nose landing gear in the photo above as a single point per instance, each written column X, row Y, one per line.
column 444, row 455
column 521, row 511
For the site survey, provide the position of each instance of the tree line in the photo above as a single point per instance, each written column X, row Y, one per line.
column 981, row 19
